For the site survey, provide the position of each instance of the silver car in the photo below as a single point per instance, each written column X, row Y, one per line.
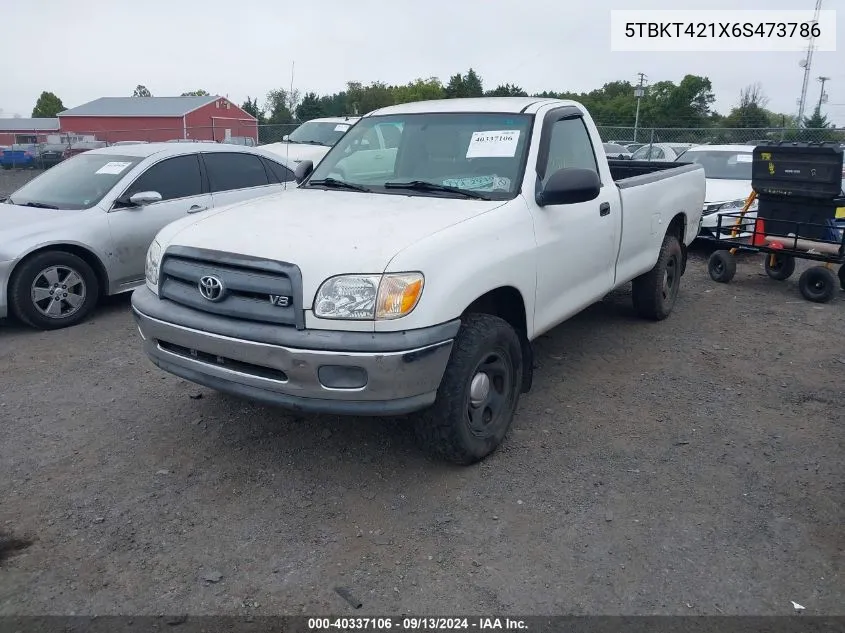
column 82, row 229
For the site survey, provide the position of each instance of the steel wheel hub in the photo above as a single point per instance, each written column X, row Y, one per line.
column 479, row 389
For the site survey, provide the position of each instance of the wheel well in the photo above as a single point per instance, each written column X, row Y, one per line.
column 83, row 253
column 678, row 228
column 507, row 304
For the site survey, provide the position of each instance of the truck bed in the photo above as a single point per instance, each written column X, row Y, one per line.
column 629, row 173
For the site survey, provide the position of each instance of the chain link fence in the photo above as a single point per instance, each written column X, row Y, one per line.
column 715, row 135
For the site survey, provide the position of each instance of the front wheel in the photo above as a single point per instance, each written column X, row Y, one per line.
column 53, row 290
column 655, row 292
column 478, row 394
column 817, row 284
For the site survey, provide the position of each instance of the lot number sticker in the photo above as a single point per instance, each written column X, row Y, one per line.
column 113, row 168
column 744, row 158
column 493, row 144
column 341, row 127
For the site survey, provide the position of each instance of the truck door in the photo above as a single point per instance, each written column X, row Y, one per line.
column 577, row 243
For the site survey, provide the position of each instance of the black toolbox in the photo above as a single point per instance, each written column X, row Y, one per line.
column 801, row 217
column 802, row 170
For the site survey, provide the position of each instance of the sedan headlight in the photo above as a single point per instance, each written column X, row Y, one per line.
column 735, row 206
column 152, row 262
column 368, row 297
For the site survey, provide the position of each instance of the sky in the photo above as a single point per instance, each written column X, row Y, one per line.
column 238, row 49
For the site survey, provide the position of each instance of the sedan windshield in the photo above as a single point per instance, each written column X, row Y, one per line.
column 319, row 133
column 435, row 154
column 720, row 164
column 77, row 183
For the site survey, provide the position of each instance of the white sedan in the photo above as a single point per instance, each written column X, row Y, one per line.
column 728, row 172
column 82, row 229
column 313, row 139
column 662, row 152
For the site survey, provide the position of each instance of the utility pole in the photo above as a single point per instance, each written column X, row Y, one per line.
column 807, row 64
column 639, row 92
column 822, row 95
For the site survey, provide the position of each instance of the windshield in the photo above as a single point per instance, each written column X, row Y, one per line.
column 721, row 165
column 319, row 132
column 76, row 183
column 475, row 152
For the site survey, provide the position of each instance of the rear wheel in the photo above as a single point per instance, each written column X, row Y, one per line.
column 53, row 290
column 722, row 266
column 478, row 394
column 817, row 284
column 780, row 267
column 842, row 276
column 655, row 292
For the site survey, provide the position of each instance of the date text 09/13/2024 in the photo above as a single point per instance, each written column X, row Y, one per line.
column 415, row 624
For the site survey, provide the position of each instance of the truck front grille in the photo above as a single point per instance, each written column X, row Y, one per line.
column 233, row 285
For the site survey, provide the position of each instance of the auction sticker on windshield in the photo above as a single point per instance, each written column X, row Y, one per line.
column 493, row 144
column 480, row 183
column 744, row 158
column 341, row 127
column 113, row 168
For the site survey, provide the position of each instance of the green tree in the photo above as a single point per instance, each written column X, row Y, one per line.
column 196, row 93
column 462, row 86
column 250, row 106
column 336, row 104
column 418, row 90
column 751, row 111
column 310, row 107
column 817, row 121
column 141, row 91
column 278, row 107
column 363, row 99
column 47, row 106
column 506, row 90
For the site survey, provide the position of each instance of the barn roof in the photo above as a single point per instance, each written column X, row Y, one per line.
column 26, row 125
column 140, row 106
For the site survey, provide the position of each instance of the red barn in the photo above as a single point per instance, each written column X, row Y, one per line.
column 26, row 131
column 111, row 119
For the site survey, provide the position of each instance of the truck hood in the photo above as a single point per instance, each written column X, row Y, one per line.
column 298, row 152
column 723, row 190
column 19, row 223
column 327, row 233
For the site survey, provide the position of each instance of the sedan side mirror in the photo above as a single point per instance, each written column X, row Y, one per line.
column 303, row 170
column 568, row 186
column 144, row 197
column 286, row 138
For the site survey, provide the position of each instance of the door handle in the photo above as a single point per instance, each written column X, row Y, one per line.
column 196, row 209
column 604, row 208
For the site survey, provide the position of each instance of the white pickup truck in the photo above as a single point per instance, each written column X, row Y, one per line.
column 413, row 279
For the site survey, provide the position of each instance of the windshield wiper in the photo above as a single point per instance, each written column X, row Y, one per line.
column 338, row 184
column 37, row 205
column 424, row 185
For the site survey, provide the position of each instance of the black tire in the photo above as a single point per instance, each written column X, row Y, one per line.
column 817, row 284
column 655, row 292
column 722, row 266
column 32, row 279
column 783, row 267
column 455, row 430
column 842, row 276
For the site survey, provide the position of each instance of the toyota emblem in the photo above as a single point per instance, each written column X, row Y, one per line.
column 211, row 288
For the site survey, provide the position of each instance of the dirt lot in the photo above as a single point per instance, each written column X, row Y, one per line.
column 686, row 467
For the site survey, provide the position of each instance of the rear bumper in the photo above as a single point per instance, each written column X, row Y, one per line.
column 345, row 373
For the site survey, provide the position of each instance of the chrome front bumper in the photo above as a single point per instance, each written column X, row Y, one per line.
column 336, row 381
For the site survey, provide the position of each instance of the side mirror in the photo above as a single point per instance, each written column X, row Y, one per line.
column 568, row 186
column 303, row 170
column 286, row 137
column 144, row 197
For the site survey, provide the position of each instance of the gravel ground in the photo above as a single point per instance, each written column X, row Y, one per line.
column 693, row 466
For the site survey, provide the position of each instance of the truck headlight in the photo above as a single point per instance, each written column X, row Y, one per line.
column 368, row 297
column 152, row 262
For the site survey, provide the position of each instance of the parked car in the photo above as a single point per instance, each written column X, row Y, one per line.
column 188, row 140
column 122, row 143
column 632, row 147
column 728, row 172
column 50, row 155
column 83, row 146
column 20, row 156
column 81, row 229
column 413, row 279
column 612, row 150
column 313, row 139
column 661, row 151
column 241, row 140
